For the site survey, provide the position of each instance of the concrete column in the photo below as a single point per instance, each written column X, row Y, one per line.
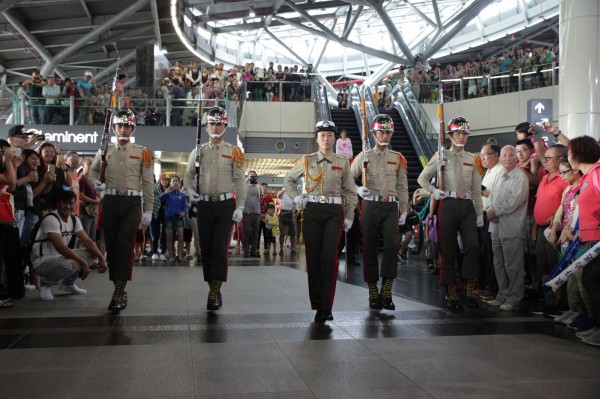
column 578, row 92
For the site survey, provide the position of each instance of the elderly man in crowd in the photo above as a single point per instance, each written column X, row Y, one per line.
column 507, row 214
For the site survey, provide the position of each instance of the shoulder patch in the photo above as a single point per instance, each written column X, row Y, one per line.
column 238, row 157
column 146, row 157
column 478, row 165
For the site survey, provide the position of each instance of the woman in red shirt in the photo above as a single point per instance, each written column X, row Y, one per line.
column 584, row 153
column 265, row 199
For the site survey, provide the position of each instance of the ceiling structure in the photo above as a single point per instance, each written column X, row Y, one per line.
column 341, row 38
column 68, row 37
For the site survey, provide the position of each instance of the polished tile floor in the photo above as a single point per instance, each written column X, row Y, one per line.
column 263, row 344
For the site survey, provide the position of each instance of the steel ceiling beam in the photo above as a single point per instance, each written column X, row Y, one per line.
column 154, row 10
column 312, row 19
column 350, row 26
column 436, row 12
column 285, row 46
column 461, row 21
column 110, row 70
column 126, row 13
column 114, row 39
column 35, row 44
column 359, row 47
column 391, row 27
column 420, row 14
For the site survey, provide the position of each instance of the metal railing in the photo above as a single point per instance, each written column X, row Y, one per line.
column 466, row 87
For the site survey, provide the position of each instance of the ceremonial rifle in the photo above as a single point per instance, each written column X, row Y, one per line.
column 198, row 138
column 112, row 105
column 442, row 144
column 365, row 139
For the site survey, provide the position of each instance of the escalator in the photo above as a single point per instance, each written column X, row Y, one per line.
column 401, row 142
column 346, row 119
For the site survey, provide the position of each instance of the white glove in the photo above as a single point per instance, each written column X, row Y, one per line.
column 146, row 218
column 100, row 187
column 438, row 194
column 402, row 220
column 193, row 196
column 363, row 191
column 480, row 221
column 301, row 200
column 237, row 215
column 348, row 224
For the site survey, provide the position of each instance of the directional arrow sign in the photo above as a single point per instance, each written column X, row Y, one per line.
column 539, row 109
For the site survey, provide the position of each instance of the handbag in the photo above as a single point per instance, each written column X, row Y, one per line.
column 412, row 219
column 92, row 210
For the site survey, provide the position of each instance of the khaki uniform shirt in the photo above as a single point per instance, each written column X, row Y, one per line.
column 394, row 164
column 139, row 175
column 335, row 181
column 230, row 172
column 471, row 175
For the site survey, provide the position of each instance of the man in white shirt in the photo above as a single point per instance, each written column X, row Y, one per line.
column 52, row 254
column 490, row 159
column 51, row 92
column 507, row 214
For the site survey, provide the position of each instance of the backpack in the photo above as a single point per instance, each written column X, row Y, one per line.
column 27, row 250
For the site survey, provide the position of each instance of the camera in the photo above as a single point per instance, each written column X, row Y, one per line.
column 41, row 137
column 17, row 151
column 483, row 188
column 538, row 128
column 174, row 189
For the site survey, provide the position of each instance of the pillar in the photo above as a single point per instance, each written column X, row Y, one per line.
column 578, row 91
column 144, row 68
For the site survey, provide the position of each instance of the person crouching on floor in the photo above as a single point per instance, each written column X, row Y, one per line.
column 53, row 256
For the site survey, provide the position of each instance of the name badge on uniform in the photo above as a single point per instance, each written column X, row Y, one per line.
column 337, row 168
column 467, row 164
column 226, row 156
column 392, row 163
column 133, row 157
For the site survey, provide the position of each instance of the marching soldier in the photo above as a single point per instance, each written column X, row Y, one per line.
column 460, row 210
column 129, row 182
column 221, row 175
column 386, row 193
column 329, row 199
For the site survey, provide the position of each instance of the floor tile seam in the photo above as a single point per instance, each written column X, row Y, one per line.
column 253, row 326
column 292, row 365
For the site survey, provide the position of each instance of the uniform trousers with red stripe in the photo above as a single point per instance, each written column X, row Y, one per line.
column 379, row 220
column 458, row 216
column 121, row 217
column 323, row 227
column 215, row 228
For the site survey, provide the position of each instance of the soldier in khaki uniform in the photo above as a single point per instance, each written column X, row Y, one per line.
column 329, row 199
column 385, row 195
column 222, row 175
column 129, row 181
column 460, row 210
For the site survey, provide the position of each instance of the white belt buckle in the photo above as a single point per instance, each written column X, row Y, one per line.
column 322, row 199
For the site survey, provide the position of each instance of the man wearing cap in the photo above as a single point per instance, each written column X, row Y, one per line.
column 460, row 210
column 34, row 87
column 20, row 138
column 385, row 196
column 128, row 197
column 329, row 199
column 85, row 90
column 221, row 195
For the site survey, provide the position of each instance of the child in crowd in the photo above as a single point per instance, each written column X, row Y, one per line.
column 271, row 229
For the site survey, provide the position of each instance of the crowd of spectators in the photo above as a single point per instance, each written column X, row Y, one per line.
column 477, row 76
column 48, row 99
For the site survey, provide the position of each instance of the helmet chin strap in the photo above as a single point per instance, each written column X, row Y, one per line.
column 380, row 143
column 455, row 143
column 216, row 136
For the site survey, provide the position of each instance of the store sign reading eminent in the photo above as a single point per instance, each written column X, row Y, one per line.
column 67, row 137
